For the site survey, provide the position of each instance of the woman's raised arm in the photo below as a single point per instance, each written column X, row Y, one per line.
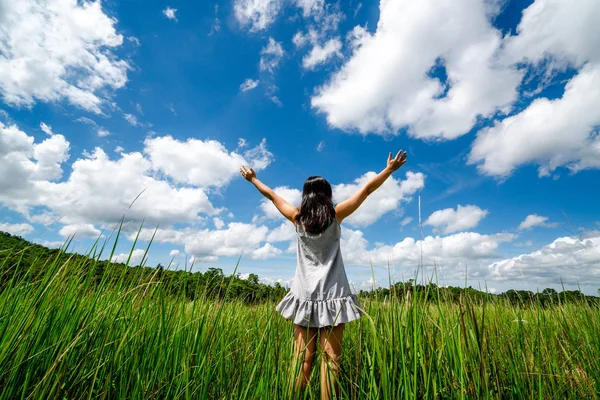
column 347, row 207
column 285, row 208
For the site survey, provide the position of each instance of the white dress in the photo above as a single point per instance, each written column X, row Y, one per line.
column 320, row 295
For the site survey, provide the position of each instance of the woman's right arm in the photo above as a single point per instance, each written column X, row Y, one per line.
column 347, row 207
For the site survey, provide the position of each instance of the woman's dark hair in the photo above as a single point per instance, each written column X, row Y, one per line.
column 316, row 208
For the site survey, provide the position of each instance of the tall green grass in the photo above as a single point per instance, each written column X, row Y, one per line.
column 62, row 337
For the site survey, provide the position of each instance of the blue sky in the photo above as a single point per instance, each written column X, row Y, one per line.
column 495, row 102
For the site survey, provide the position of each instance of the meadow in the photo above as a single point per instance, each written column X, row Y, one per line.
column 64, row 333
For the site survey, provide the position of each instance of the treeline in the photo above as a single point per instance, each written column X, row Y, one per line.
column 434, row 293
column 21, row 259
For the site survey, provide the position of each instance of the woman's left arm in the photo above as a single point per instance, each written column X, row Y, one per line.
column 285, row 208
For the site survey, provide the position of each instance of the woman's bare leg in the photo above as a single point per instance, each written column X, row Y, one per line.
column 305, row 345
column 331, row 345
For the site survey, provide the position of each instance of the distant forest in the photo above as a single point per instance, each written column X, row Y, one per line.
column 22, row 259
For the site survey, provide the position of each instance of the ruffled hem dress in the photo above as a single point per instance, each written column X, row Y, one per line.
column 320, row 294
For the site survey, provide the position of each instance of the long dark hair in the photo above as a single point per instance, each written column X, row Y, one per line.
column 316, row 208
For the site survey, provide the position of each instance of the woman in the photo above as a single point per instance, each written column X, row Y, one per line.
column 320, row 301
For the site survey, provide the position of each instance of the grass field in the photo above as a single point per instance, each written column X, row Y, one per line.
column 61, row 339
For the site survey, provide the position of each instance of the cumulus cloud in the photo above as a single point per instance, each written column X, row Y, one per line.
column 566, row 259
column 271, row 55
column 174, row 253
column 446, row 252
column 450, row 220
column 59, row 50
column 265, row 252
column 383, row 200
column 256, row 14
column 398, row 90
column 322, row 54
column 202, row 163
column 99, row 189
column 207, row 245
column 550, row 133
column 283, row 233
column 536, row 220
column 16, row 229
column 248, row 84
column 137, row 256
column 79, row 231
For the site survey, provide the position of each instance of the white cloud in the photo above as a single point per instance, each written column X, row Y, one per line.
column 450, row 220
column 16, row 229
column 282, row 233
column 265, row 252
column 139, row 109
column 550, row 133
column 536, row 220
column 132, row 119
column 322, row 54
column 99, row 190
column 99, row 130
column 384, row 86
column 170, row 13
column 446, row 252
column 566, row 259
column 311, row 7
column 249, row 84
column 406, row 221
column 136, row 256
column 257, row 14
column 174, row 253
column 271, row 55
column 79, row 231
column 102, row 132
column 59, row 50
column 219, row 224
column 385, row 199
column 202, row 163
column 208, row 245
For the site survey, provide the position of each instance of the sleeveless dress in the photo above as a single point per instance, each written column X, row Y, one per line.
column 320, row 294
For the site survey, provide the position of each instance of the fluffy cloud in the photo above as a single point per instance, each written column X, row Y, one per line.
column 443, row 251
column 202, row 163
column 550, row 133
column 16, row 229
column 257, row 14
column 137, row 256
column 170, row 13
column 412, row 38
column 450, row 220
column 322, row 54
column 282, row 233
column 100, row 190
column 570, row 260
column 54, row 50
column 265, row 252
column 79, row 231
column 385, row 199
column 535, row 220
column 271, row 55
column 248, row 84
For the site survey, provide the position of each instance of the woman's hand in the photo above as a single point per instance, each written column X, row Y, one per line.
column 248, row 173
column 394, row 163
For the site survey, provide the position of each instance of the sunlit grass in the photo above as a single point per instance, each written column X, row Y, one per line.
column 63, row 336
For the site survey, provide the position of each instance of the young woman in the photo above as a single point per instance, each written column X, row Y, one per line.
column 320, row 301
